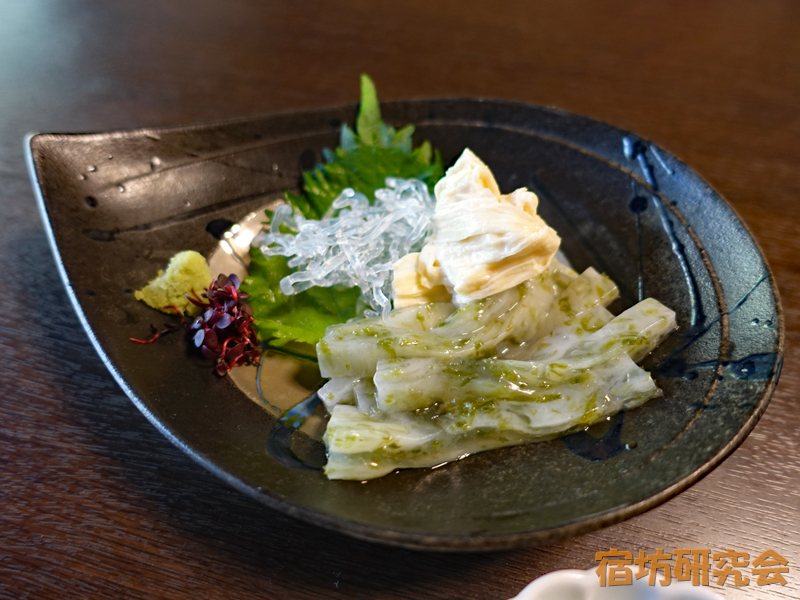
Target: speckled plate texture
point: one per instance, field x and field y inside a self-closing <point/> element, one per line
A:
<point x="117" y="205"/>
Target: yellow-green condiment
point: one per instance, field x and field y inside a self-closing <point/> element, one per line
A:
<point x="186" y="271"/>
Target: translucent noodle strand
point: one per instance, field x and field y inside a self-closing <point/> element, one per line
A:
<point x="356" y="244"/>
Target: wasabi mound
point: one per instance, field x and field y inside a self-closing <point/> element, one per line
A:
<point x="185" y="272"/>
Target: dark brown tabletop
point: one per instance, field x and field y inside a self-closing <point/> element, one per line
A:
<point x="97" y="504"/>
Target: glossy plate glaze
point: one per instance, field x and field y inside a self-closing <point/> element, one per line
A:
<point x="118" y="205"/>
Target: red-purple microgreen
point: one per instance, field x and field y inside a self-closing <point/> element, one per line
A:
<point x="224" y="332"/>
<point x="168" y="328"/>
<point x="156" y="333"/>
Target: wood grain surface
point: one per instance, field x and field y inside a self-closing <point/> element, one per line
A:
<point x="97" y="504"/>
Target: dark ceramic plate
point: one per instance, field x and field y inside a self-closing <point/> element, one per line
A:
<point x="118" y="205"/>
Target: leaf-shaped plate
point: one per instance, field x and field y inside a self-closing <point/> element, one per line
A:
<point x="117" y="205"/>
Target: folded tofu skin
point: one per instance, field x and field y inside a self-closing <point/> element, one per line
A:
<point x="492" y="342"/>
<point x="485" y="241"/>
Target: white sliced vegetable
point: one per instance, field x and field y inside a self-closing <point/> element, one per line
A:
<point x="567" y="334"/>
<point x="411" y="384"/>
<point x="422" y="386"/>
<point x="636" y="332"/>
<point x="338" y="390"/>
<point x="422" y="317"/>
<point x="365" y="396"/>
<point x="353" y="349"/>
<point x="364" y="447"/>
<point x="587" y="291"/>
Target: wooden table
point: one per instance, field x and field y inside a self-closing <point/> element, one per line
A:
<point x="97" y="504"/>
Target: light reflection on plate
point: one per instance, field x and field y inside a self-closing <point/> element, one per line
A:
<point x="290" y="381"/>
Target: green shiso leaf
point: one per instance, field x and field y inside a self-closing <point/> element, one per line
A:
<point x="302" y="317"/>
<point x="363" y="161"/>
<point x="369" y="120"/>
